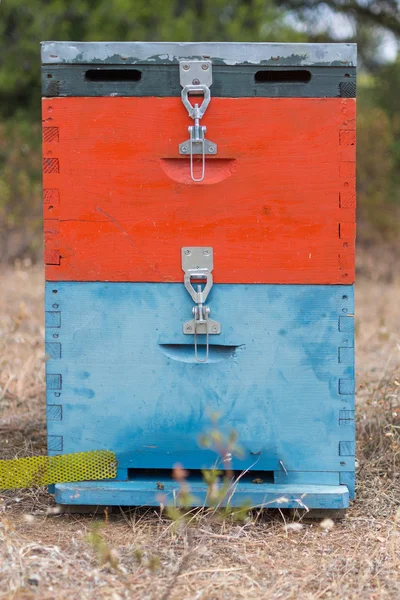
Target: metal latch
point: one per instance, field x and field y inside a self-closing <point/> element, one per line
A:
<point x="196" y="79"/>
<point x="198" y="263"/>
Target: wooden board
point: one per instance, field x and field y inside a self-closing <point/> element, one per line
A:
<point x="163" y="80"/>
<point x="122" y="376"/>
<point x="277" y="204"/>
<point x="145" y="491"/>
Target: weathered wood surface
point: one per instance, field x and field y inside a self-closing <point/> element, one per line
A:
<point x="226" y="53"/>
<point x="163" y="80"/>
<point x="124" y="377"/>
<point x="277" y="203"/>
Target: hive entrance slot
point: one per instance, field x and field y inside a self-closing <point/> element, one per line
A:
<point x="196" y="475"/>
<point x="115" y="75"/>
<point x="282" y="76"/>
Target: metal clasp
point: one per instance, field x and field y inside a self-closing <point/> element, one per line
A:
<point x="198" y="263"/>
<point x="196" y="79"/>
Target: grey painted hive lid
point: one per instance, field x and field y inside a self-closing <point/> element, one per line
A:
<point x="224" y="53"/>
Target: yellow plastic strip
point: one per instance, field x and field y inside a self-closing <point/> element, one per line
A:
<point x="43" y="470"/>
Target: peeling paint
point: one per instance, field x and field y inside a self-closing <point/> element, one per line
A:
<point x="225" y="53"/>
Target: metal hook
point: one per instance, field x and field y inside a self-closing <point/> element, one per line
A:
<point x="203" y="158"/>
<point x="197" y="263"/>
<point x="195" y="79"/>
<point x="197" y="318"/>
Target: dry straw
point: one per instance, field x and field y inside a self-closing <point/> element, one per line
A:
<point x="142" y="553"/>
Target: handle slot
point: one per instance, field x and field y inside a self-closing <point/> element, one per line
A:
<point x="116" y="75"/>
<point x="283" y="76"/>
<point x="184" y="352"/>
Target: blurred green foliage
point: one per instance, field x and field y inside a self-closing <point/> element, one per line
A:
<point x="24" y="24"/>
<point x="20" y="189"/>
<point x="378" y="154"/>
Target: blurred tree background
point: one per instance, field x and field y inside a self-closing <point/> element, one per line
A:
<point x="373" y="24"/>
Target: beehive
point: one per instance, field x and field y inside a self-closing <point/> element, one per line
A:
<point x="250" y="223"/>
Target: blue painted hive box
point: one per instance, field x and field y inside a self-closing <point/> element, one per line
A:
<point x="199" y="208"/>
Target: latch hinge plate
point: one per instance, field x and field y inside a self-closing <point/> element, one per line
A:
<point x="195" y="77"/>
<point x="209" y="327"/>
<point x="195" y="72"/>
<point x="198" y="263"/>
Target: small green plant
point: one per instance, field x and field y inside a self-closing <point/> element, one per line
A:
<point x="224" y="444"/>
<point x="151" y="562"/>
<point x="220" y="480"/>
<point x="104" y="554"/>
<point x="184" y="500"/>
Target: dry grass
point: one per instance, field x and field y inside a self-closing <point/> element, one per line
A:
<point x="139" y="554"/>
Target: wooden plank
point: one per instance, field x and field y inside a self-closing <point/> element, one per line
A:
<point x="163" y="81"/>
<point x="348" y="479"/>
<point x="269" y="205"/>
<point x="225" y="53"/>
<point x="145" y="492"/>
<point x="128" y="381"/>
<point x="307" y="477"/>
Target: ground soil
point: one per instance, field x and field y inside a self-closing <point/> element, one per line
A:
<point x="142" y="553"/>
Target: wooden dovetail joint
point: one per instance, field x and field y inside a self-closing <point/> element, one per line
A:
<point x="347" y="448"/>
<point x="51" y="210"/>
<point x="347" y="199"/>
<point x="54" y="381"/>
<point x="50" y="135"/>
<point x="55" y="443"/>
<point x="347" y="137"/>
<point x="54" y="412"/>
<point x="346" y="418"/>
<point x="51" y="165"/>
